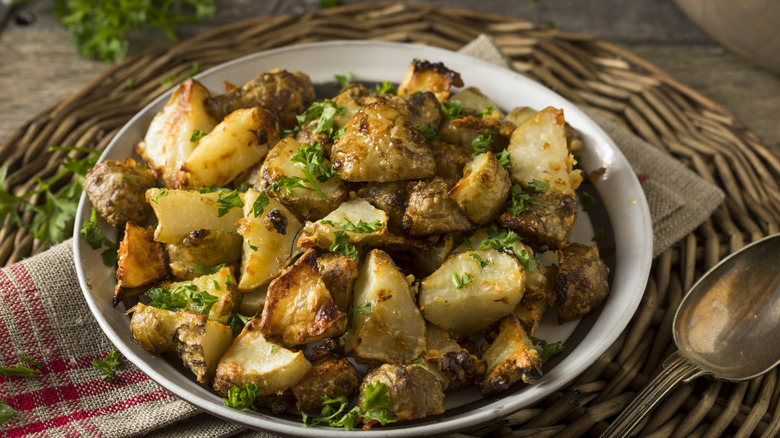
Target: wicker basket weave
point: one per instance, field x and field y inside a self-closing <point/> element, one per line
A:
<point x="589" y="72"/>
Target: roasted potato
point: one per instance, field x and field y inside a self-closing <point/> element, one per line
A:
<point x="269" y="240"/>
<point x="380" y="144"/>
<point x="432" y="211"/>
<point x="221" y="284"/>
<point x="168" y="141"/>
<point x="252" y="302"/>
<point x="582" y="281"/>
<point x="141" y="262"/>
<point x="483" y="190"/>
<point x="428" y="76"/>
<point x="240" y="141"/>
<point x="117" y="191"/>
<point x="390" y="197"/>
<point x="511" y="357"/>
<point x="540" y="290"/>
<point x="454" y="366"/>
<point x="253" y="359"/>
<point x="202" y="249"/>
<point x="547" y="221"/>
<point x="283" y="93"/>
<point x="414" y="392"/>
<point x="298" y="307"/>
<point x="389" y="328"/>
<point x="472" y="100"/>
<point x="308" y="203"/>
<point x="180" y="212"/>
<point x="198" y="342"/>
<point x="339" y="273"/>
<point x="538" y="151"/>
<point x="362" y="222"/>
<point x="331" y="375"/>
<point x="463" y="297"/>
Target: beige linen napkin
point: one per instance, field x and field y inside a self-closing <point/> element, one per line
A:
<point x="44" y="316"/>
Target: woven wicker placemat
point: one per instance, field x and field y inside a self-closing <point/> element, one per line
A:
<point x="592" y="73"/>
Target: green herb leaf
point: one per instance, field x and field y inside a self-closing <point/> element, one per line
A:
<point x="197" y="135"/>
<point x="228" y="202"/>
<point x="485" y="112"/>
<point x="30" y="361"/>
<point x="482" y="263"/>
<point x="324" y="112"/>
<point x="430" y="132"/>
<point x="502" y="240"/>
<point x="236" y="322"/>
<point x="92" y="232"/>
<point x="377" y="405"/>
<point x="99" y="29"/>
<point x="520" y="199"/>
<point x="160" y="194"/>
<point x="182" y="297"/>
<point x="204" y="270"/>
<point x="548" y="350"/>
<point x="459" y="281"/>
<point x="109" y="365"/>
<point x="341" y="245"/>
<point x="503" y="158"/>
<point x="598" y="236"/>
<point x="6" y="412"/>
<point x="242" y="399"/>
<point x="453" y="109"/>
<point x="312" y="156"/>
<point x="261" y="202"/>
<point x="19" y="371"/>
<point x="364" y="308"/>
<point x="361" y="227"/>
<point x="480" y="144"/>
<point x="386" y="87"/>
<point x="538" y="186"/>
<point x="588" y="201"/>
<point x="343" y="80"/>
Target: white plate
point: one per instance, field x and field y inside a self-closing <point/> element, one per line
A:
<point x="625" y="219"/>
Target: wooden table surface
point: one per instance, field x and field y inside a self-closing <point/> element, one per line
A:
<point x="39" y="65"/>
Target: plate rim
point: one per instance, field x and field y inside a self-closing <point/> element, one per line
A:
<point x="640" y="258"/>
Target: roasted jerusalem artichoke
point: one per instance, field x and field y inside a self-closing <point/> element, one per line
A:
<point x="375" y="246"/>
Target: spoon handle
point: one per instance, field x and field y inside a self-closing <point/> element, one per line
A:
<point x="677" y="369"/>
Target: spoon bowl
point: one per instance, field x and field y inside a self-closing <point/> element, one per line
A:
<point x="725" y="327"/>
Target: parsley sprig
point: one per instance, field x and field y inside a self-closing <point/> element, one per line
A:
<point x="22" y="371"/>
<point x="312" y="156"/>
<point x="520" y="199"/>
<point x="460" y="281"/>
<point x="324" y="112"/>
<point x="99" y="28"/>
<point x="376" y="407"/>
<point x="430" y="131"/>
<point x="108" y="365"/>
<point x="453" y="109"/>
<point x="51" y="221"/>
<point x="226" y="202"/>
<point x="481" y="142"/>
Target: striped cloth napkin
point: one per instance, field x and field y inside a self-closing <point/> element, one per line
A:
<point x="44" y="316"/>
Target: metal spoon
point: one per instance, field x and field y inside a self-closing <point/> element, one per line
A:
<point x="726" y="327"/>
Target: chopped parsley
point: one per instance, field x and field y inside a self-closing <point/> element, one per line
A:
<point x="386" y="87"/>
<point x="343" y="80"/>
<point x="197" y="135"/>
<point x="538" y="186"/>
<point x="364" y="308"/>
<point x="453" y="109"/>
<point x="459" y="281"/>
<point x="588" y="201"/>
<point x="323" y="112"/>
<point x="481" y="142"/>
<point x="259" y="205"/>
<point x="160" y="194"/>
<point x="376" y="407"/>
<point x="598" y="236"/>
<point x="92" y="233"/>
<point x="182" y="297"/>
<point x="236" y="323"/>
<point x="109" y="365"/>
<point x="548" y="350"/>
<point x="485" y="112"/>
<point x="503" y="158"/>
<point x="430" y="132"/>
<point x="520" y="199"/>
<point x="242" y="399"/>
<point x="341" y="245"/>
<point x="502" y="240"/>
<point x="361" y="227"/>
<point x="204" y="270"/>
<point x="312" y="156"/>
<point x="482" y="263"/>
<point x="228" y="202"/>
